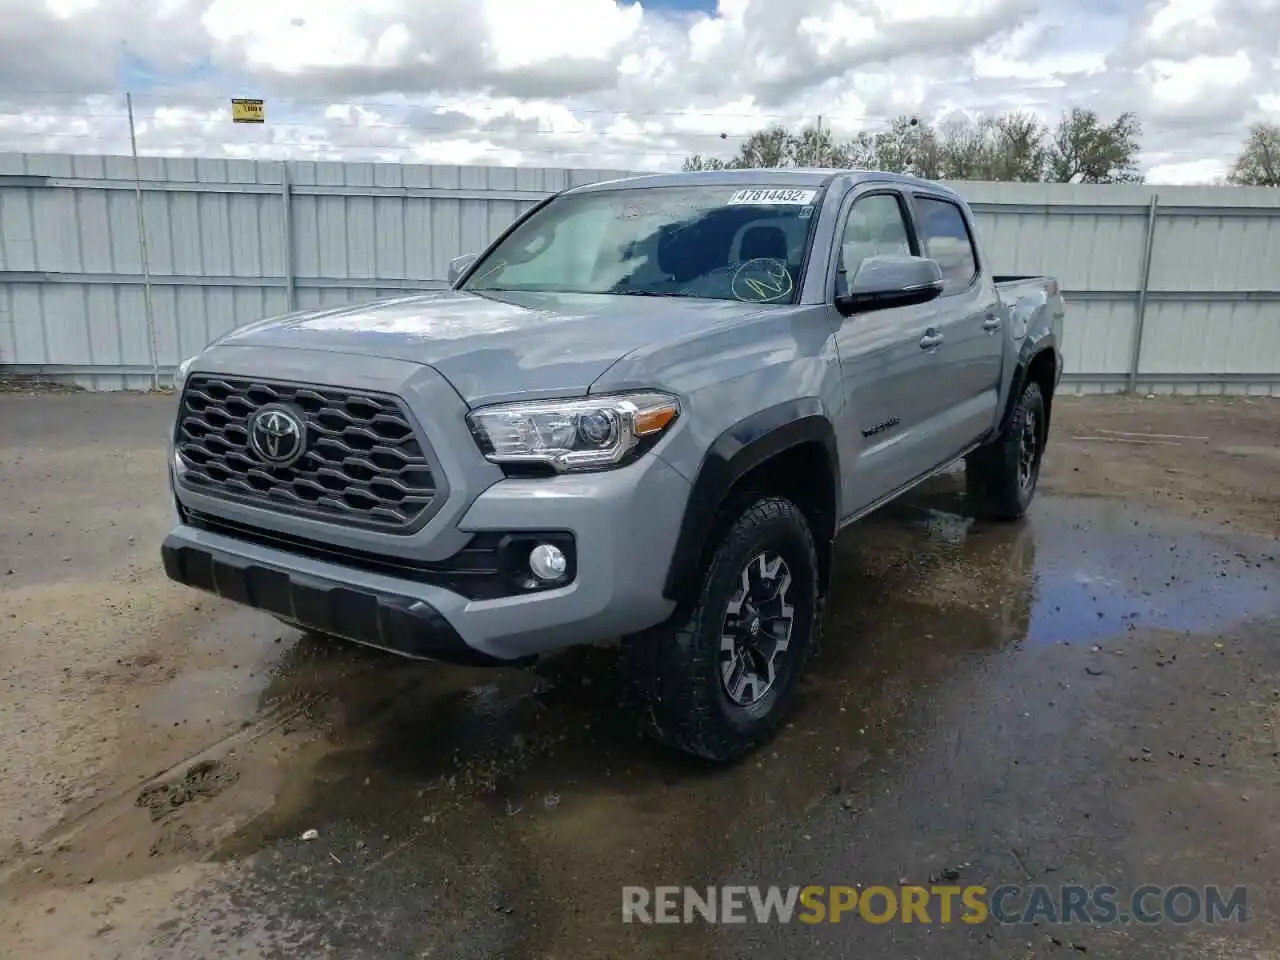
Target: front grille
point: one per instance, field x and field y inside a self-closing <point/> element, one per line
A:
<point x="363" y="465"/>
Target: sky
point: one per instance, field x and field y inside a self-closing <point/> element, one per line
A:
<point x="594" y="83"/>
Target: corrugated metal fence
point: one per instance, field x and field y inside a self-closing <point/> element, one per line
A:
<point x="1169" y="288"/>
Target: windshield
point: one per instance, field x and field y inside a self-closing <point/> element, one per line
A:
<point x="719" y="242"/>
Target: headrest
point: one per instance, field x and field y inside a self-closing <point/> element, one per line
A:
<point x="762" y="241"/>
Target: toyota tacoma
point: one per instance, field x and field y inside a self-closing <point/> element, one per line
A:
<point x="644" y="412"/>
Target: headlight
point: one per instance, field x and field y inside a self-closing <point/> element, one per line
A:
<point x="568" y="435"/>
<point x="180" y="377"/>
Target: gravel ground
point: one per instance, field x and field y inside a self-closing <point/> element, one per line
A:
<point x="1088" y="697"/>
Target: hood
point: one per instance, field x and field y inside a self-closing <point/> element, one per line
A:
<point x="491" y="349"/>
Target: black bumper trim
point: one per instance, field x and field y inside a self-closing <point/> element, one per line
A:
<point x="399" y="624"/>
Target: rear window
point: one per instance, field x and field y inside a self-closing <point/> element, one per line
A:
<point x="947" y="239"/>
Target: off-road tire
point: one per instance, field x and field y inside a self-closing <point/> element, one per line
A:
<point x="995" y="481"/>
<point x="672" y="672"/>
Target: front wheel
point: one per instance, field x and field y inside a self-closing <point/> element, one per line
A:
<point x="717" y="679"/>
<point x="1000" y="479"/>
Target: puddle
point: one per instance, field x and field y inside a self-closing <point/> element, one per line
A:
<point x="1102" y="571"/>
<point x="1087" y="569"/>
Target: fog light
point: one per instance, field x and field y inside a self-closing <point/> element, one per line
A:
<point x="547" y="562"/>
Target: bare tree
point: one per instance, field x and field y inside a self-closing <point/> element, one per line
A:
<point x="699" y="162"/>
<point x="909" y="146"/>
<point x="815" y="147"/>
<point x="1258" y="164"/>
<point x="1008" y="147"/>
<point x="1021" y="153"/>
<point x="967" y="148"/>
<point x="862" y="152"/>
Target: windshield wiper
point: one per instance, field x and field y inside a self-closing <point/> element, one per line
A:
<point x="649" y="293"/>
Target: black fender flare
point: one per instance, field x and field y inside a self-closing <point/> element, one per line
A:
<point x="734" y="453"/>
<point x="1021" y="371"/>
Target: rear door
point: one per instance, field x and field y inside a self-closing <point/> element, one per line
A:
<point x="886" y="374"/>
<point x="968" y="317"/>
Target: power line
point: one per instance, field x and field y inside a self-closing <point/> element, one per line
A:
<point x="590" y="140"/>
<point x="339" y="137"/>
<point x="835" y="125"/>
<point x="347" y="149"/>
<point x="185" y="98"/>
<point x="433" y="102"/>
<point x="480" y="128"/>
<point x="329" y="123"/>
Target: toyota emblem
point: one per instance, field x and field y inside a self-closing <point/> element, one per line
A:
<point x="277" y="435"/>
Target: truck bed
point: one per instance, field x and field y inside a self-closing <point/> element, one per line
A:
<point x="1028" y="294"/>
<point x="1017" y="279"/>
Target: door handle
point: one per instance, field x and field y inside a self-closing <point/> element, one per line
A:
<point x="992" y="323"/>
<point x="931" y="340"/>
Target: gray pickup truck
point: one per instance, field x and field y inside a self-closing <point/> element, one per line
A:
<point x="644" y="412"/>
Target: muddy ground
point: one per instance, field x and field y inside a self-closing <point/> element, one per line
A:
<point x="1089" y="697"/>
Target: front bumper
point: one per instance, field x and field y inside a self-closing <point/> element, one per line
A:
<point x="624" y="522"/>
<point x="395" y="622"/>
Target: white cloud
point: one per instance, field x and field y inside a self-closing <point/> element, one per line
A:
<point x="523" y="34"/>
<point x="1174" y="16"/>
<point x="1191" y="171"/>
<point x="1024" y="55"/>
<point x="632" y="85"/>
<point x="294" y="36"/>
<point x="1199" y="85"/>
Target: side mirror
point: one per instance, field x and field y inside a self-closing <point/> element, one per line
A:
<point x="891" y="281"/>
<point x="458" y="266"/>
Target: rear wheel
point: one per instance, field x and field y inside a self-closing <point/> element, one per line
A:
<point x="1001" y="478"/>
<point x="718" y="677"/>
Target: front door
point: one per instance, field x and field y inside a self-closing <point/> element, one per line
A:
<point x="885" y="371"/>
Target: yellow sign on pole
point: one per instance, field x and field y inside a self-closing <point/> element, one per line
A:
<point x="247" y="111"/>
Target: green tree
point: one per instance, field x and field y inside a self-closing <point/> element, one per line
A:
<point x="908" y="146"/>
<point x="1258" y="164"/>
<point x="1010" y="147"/>
<point x="771" y="147"/>
<point x="778" y="146"/>
<point x="1083" y="149"/>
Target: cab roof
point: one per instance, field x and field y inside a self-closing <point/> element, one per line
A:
<point x="761" y="177"/>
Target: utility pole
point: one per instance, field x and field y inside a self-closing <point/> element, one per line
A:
<point x="142" y="245"/>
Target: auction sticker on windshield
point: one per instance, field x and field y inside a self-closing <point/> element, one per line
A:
<point x="797" y="198"/>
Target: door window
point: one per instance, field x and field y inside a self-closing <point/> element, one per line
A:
<point x="947" y="239"/>
<point x="876" y="226"/>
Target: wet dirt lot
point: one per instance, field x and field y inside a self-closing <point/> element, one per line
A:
<point x="1088" y="697"/>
